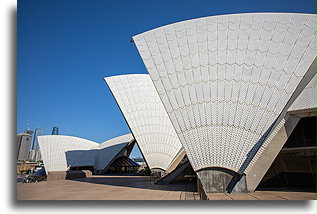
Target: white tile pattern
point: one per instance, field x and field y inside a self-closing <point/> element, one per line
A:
<point x="307" y="99"/>
<point x="54" y="148"/>
<point x="224" y="80"/>
<point x="59" y="151"/>
<point x="146" y="117"/>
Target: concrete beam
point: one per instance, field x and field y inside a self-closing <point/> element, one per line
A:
<point x="311" y="112"/>
<point x="181" y="154"/>
<point x="265" y="160"/>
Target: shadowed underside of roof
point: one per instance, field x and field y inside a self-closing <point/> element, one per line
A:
<point x="124" y="162"/>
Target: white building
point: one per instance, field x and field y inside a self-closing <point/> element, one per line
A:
<point x="60" y="153"/>
<point x="227" y="82"/>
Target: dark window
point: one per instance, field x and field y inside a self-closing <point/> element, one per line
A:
<point x="296" y="167"/>
<point x="304" y="133"/>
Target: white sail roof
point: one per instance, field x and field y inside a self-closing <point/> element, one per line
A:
<point x="146" y="117"/>
<point x="60" y="152"/>
<point x="224" y="80"/>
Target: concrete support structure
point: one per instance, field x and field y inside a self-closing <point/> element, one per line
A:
<point x="218" y="180"/>
<point x="56" y="175"/>
<point x="174" y="175"/>
<point x="176" y="161"/>
<point x="265" y="160"/>
<point x="62" y="175"/>
<point x="303" y="106"/>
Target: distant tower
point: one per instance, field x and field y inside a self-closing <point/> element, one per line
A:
<point x="35" y="145"/>
<point x="55" y="130"/>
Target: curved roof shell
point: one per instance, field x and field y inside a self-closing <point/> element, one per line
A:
<point x="109" y="149"/>
<point x="147" y="118"/>
<point x="224" y="80"/>
<point x="60" y="152"/>
<point x="54" y="147"/>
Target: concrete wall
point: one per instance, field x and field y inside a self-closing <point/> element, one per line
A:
<point x="57" y="175"/>
<point x="62" y="175"/>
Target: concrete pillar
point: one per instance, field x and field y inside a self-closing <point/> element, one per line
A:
<point x="217" y="180"/>
<point x="201" y="191"/>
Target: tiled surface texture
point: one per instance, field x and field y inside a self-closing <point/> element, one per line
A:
<point x="225" y="79"/>
<point x="146" y="117"/>
<point x="59" y="151"/>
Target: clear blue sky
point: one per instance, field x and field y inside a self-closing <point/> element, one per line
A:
<point x="66" y="47"/>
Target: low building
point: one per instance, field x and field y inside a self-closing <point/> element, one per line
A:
<point x="66" y="153"/>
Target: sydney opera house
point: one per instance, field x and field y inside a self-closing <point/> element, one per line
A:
<point x="234" y="95"/>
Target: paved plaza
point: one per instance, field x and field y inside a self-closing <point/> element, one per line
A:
<point x="135" y="188"/>
<point x="264" y="195"/>
<point x="106" y="188"/>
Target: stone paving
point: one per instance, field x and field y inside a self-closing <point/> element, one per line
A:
<point x="264" y="195"/>
<point x="106" y="188"/>
<point x="135" y="188"/>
